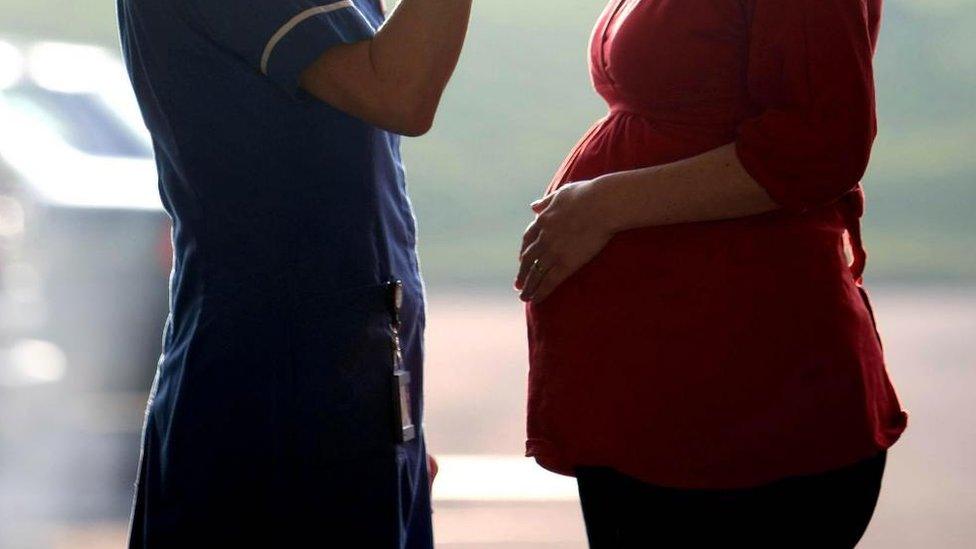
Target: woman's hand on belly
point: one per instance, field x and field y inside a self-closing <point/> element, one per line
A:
<point x="567" y="233"/>
<point x="574" y="223"/>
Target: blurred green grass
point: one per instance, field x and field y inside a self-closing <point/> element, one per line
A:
<point x="522" y="97"/>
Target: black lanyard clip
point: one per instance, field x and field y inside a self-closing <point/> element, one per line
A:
<point x="394" y="301"/>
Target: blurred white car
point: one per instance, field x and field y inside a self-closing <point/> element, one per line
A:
<point x="84" y="241"/>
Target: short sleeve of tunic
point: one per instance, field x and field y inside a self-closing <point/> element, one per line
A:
<point x="810" y="76"/>
<point x="279" y="38"/>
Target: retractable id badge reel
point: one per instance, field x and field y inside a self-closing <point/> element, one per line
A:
<point x="403" y="422"/>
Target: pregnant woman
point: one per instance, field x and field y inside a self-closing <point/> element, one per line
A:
<point x="703" y="355"/>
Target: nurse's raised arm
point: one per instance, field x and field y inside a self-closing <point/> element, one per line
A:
<point x="391" y="77"/>
<point x="395" y="79"/>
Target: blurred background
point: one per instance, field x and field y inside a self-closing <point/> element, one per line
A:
<point x="84" y="260"/>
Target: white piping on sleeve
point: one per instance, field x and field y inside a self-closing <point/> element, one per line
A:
<point x="294" y="22"/>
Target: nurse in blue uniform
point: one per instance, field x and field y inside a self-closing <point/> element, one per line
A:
<point x="275" y="417"/>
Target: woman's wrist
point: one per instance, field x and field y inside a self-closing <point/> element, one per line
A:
<point x="610" y="202"/>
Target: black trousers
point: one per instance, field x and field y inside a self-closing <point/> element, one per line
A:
<point x="824" y="511"/>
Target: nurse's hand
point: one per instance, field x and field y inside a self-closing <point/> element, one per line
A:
<point x="570" y="228"/>
<point x="431" y="470"/>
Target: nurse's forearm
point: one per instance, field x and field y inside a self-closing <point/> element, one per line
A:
<point x="395" y="80"/>
<point x="417" y="50"/>
<point x="708" y="187"/>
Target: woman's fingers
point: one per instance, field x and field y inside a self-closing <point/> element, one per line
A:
<point x="542" y="203"/>
<point x="550" y="282"/>
<point x="529" y="236"/>
<point x="529" y="255"/>
<point x="538" y="287"/>
<point x="537" y="273"/>
<point x="572" y="233"/>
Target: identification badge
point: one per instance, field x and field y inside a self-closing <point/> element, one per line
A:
<point x="403" y="424"/>
<point x="401" y="404"/>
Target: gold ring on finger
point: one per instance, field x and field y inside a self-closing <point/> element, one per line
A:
<point x="538" y="267"/>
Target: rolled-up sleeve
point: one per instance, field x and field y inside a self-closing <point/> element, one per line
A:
<point x="278" y="38"/>
<point x="810" y="78"/>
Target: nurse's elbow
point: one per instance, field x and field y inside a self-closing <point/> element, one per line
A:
<point x="414" y="117"/>
<point x="415" y="125"/>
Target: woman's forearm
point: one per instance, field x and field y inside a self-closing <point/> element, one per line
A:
<point x="707" y="187"/>
<point x="574" y="223"/>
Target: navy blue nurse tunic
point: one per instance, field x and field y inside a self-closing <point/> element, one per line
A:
<point x="270" y="422"/>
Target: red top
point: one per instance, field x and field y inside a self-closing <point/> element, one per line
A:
<point x="722" y="354"/>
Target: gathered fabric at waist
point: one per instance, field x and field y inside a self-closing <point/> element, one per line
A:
<point x="626" y="139"/>
<point x="699" y="116"/>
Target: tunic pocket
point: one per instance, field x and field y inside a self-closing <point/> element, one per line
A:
<point x="342" y="376"/>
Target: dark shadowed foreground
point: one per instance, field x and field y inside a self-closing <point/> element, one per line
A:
<point x="67" y="461"/>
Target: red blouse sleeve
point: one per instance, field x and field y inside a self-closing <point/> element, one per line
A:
<point x="810" y="77"/>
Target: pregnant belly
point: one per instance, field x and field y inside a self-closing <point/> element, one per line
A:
<point x="698" y="322"/>
<point x="688" y="333"/>
<point x="656" y="286"/>
<point x="662" y="261"/>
